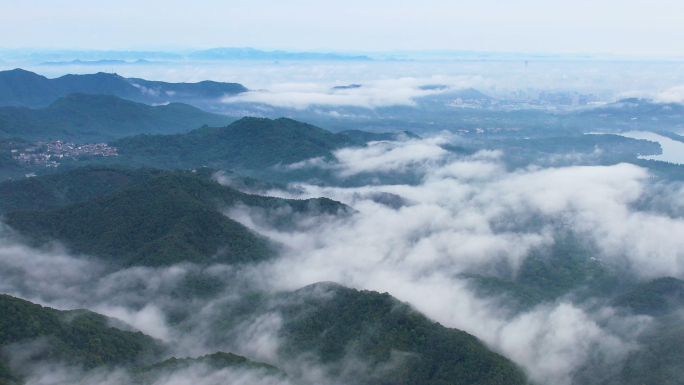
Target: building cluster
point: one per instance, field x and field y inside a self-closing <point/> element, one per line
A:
<point x="48" y="153"/>
<point x="558" y="98"/>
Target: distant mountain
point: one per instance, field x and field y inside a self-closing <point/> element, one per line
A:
<point x="216" y="361"/>
<point x="165" y="220"/>
<point x="349" y="87"/>
<point x="634" y="107"/>
<point x="247" y="144"/>
<point x="90" y="118"/>
<point x="100" y="62"/>
<point x="255" y="54"/>
<point x="23" y="88"/>
<point x="463" y="94"/>
<point x="365" y="137"/>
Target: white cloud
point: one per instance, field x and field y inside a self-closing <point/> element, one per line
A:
<point x="374" y="93"/>
<point x="671" y="95"/>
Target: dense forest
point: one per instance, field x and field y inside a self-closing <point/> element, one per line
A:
<point x="77" y="337"/>
<point x="164" y="220"/>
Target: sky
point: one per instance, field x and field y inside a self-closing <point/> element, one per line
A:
<point x="600" y="26"/>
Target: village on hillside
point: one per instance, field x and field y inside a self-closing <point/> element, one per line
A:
<point x="48" y="153"/>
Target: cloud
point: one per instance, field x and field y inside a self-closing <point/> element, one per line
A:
<point x="671" y="95"/>
<point x="197" y="374"/>
<point x="468" y="214"/>
<point x="376" y="93"/>
<point x="381" y="157"/>
<point x="465" y="214"/>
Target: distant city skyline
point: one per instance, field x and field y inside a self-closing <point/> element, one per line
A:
<point x="605" y="26"/>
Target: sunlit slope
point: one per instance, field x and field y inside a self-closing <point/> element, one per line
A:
<point x="165" y="220"/>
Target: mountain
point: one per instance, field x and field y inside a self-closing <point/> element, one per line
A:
<point x="32" y="335"/>
<point x="634" y="107"/>
<point x="255" y="54"/>
<point x="103" y="62"/>
<point x="165" y="220"/>
<point x="23" y="88"/>
<point x="51" y="191"/>
<point x="657" y="297"/>
<point x="56" y="190"/>
<point x="77" y="337"/>
<point x="216" y="361"/>
<point x="377" y="328"/>
<point x="365" y="337"/>
<point x="365" y="136"/>
<point x="247" y="144"/>
<point x="96" y="118"/>
<point x="464" y="94"/>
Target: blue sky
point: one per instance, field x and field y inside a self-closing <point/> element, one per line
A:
<point x="623" y="27"/>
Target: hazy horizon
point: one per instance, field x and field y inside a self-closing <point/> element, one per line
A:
<point x="607" y="26"/>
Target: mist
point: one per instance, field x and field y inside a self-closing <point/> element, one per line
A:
<point x="300" y="85"/>
<point x="471" y="215"/>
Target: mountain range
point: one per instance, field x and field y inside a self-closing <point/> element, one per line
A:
<point x="165" y="219"/>
<point x="23" y="88"/>
<point x="88" y="118"/>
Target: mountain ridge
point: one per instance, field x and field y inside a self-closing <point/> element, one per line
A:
<point x="23" y="88"/>
<point x="98" y="118"/>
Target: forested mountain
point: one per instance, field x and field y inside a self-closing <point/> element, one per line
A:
<point x="378" y="329"/>
<point x="249" y="143"/>
<point x="79" y="337"/>
<point x="364" y="337"/>
<point x="165" y="220"/>
<point x="87" y="118"/>
<point x="397" y="344"/>
<point x="60" y="189"/>
<point x="80" y="184"/>
<point x="32" y="335"/>
<point x="24" y="88"/>
<point x="216" y="361"/>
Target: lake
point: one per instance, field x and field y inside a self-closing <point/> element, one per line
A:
<point x="673" y="151"/>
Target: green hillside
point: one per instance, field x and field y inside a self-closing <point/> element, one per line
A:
<point x="378" y="329"/>
<point x="96" y="118"/>
<point x="77" y="337"/>
<point x="249" y="143"/>
<point x="166" y="220"/>
<point x="364" y="337"/>
<point x="84" y="339"/>
<point x="56" y="190"/>
<point x="657" y="297"/>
